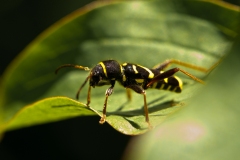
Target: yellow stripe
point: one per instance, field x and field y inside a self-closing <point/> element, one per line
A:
<point x="104" y="68"/>
<point x="151" y="75"/>
<point x="175" y="88"/>
<point x="121" y="69"/>
<point x="123" y="75"/>
<point x="168" y="88"/>
<point x="135" y="69"/>
<point x="124" y="64"/>
<point x="179" y="81"/>
<point x="124" y="78"/>
<point x="162" y="86"/>
<point x="165" y="80"/>
<point x="139" y="80"/>
<point x="154" y="85"/>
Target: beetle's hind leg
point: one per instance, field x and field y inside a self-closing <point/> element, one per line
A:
<point x="169" y="73"/>
<point x="167" y="63"/>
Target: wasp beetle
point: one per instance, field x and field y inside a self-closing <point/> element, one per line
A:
<point x="135" y="77"/>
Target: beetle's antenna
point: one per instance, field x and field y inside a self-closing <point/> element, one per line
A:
<point x="73" y="66"/>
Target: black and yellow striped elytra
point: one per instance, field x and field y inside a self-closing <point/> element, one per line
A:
<point x="135" y="77"/>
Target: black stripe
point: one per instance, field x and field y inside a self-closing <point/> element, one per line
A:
<point x="172" y="88"/>
<point x="178" y="90"/>
<point x="166" y="86"/>
<point x="158" y="86"/>
<point x="173" y="81"/>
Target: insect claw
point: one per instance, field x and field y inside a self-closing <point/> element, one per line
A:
<point x="103" y="119"/>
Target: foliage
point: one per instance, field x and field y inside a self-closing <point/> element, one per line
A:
<point x="209" y="129"/>
<point x="143" y="32"/>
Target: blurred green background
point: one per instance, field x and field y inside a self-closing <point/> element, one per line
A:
<point x="23" y="20"/>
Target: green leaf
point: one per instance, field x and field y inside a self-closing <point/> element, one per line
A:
<point x="48" y="110"/>
<point x="207" y="129"/>
<point x="142" y="32"/>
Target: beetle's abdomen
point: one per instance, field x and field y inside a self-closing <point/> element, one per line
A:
<point x="172" y="83"/>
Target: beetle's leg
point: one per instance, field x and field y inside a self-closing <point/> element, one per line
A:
<point x="169" y="73"/>
<point x="140" y="90"/>
<point x="79" y="90"/>
<point x="109" y="91"/>
<point x="89" y="96"/>
<point x="129" y="95"/>
<point x="166" y="63"/>
<point x="163" y="65"/>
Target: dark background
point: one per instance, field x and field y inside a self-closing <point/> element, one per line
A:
<point x="78" y="138"/>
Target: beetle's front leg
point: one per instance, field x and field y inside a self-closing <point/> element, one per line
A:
<point x="109" y="91"/>
<point x="89" y="96"/>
